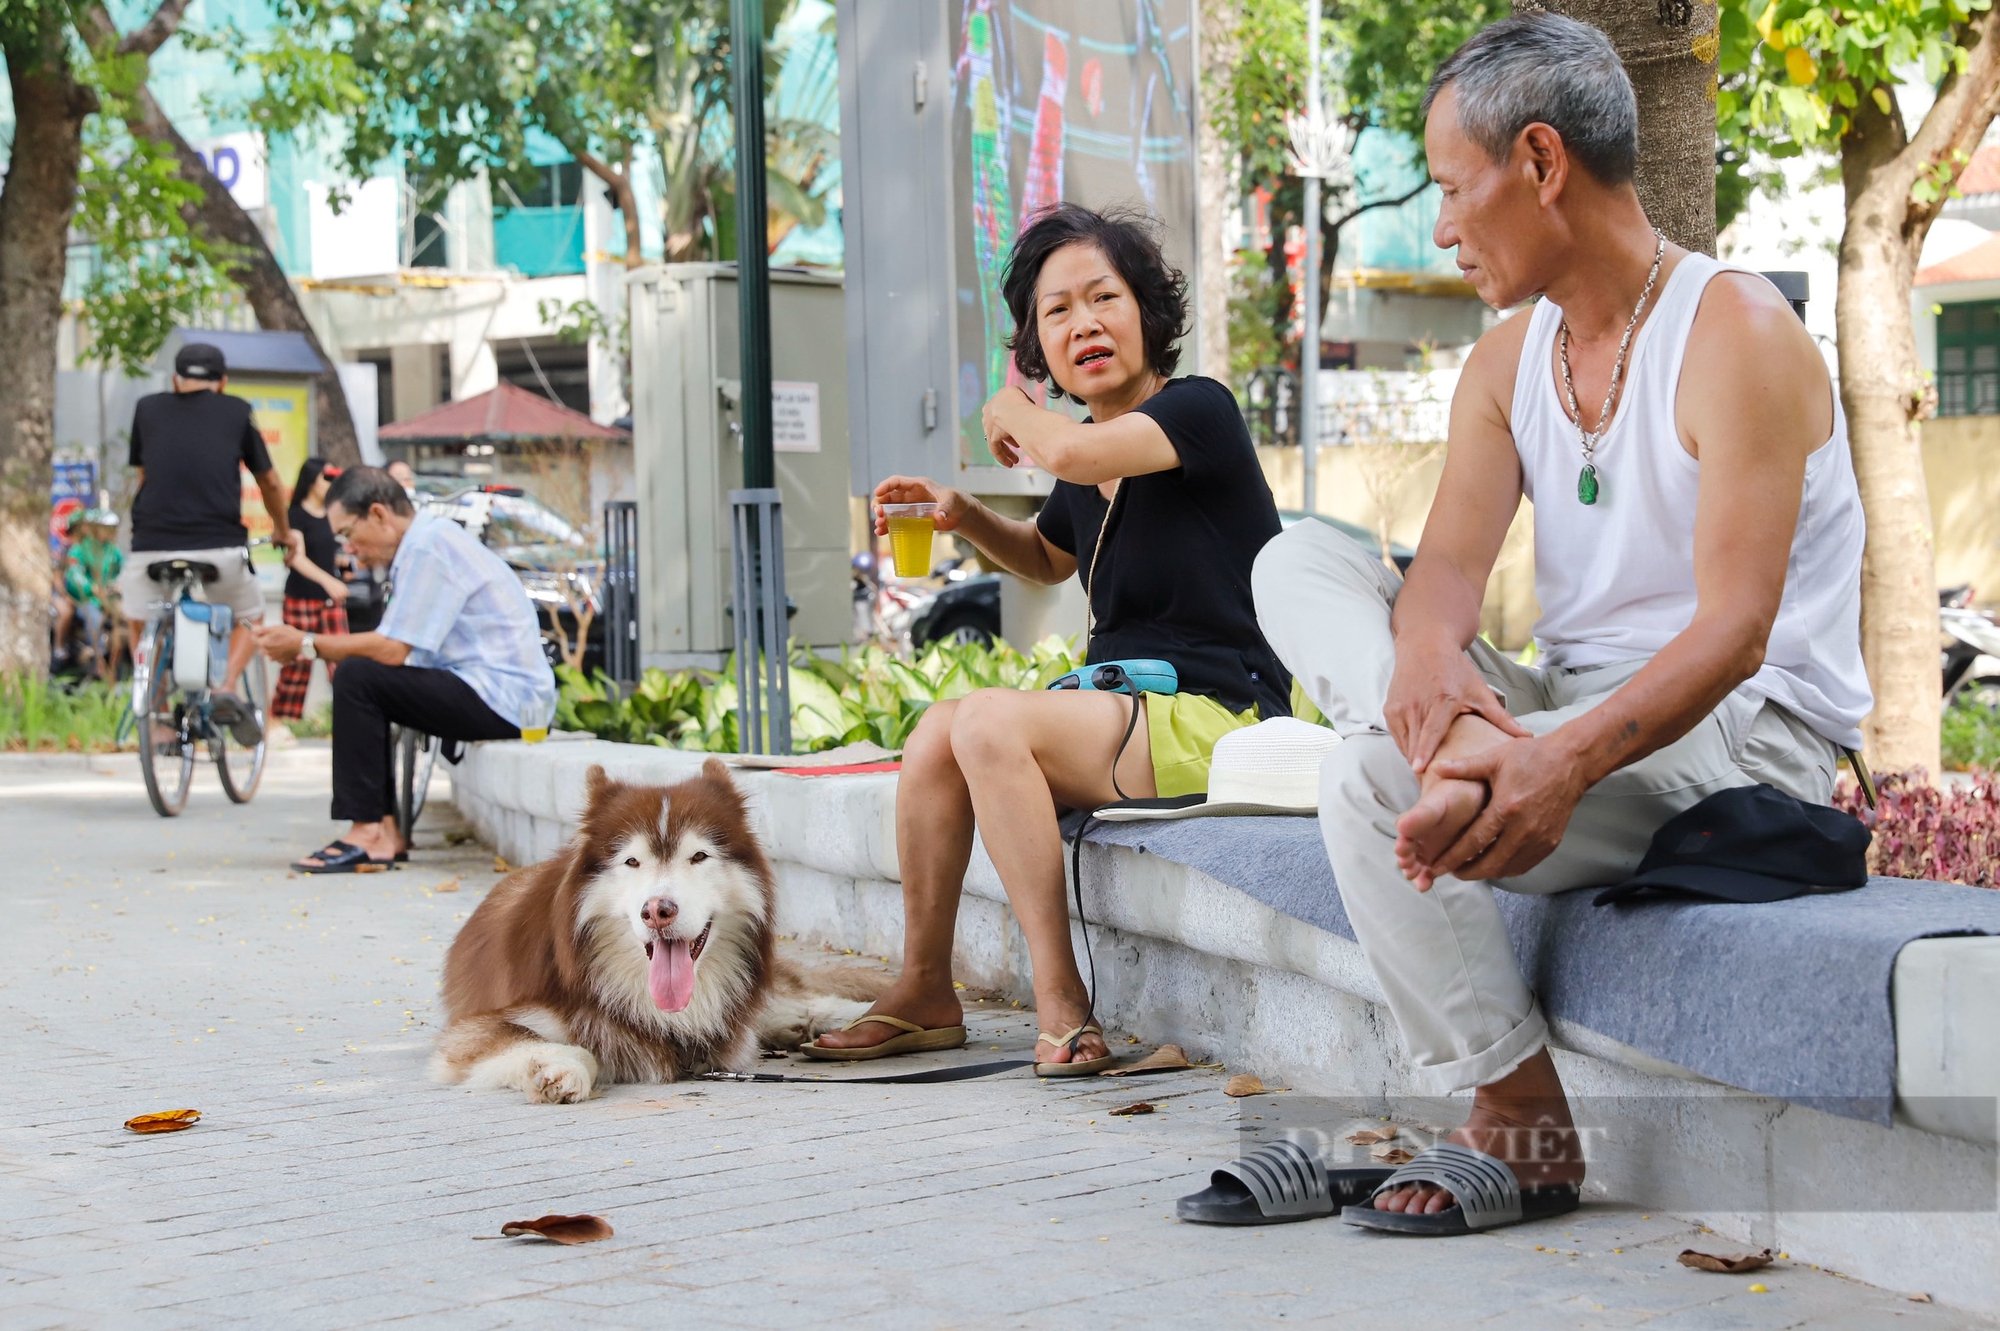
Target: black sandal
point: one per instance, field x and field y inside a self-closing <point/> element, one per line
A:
<point x="1486" y="1195"/>
<point x="340" y="857"/>
<point x="1276" y="1184"/>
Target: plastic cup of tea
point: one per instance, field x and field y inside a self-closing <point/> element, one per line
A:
<point x="911" y="527"/>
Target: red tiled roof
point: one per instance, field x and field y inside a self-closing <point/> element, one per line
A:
<point x="506" y="412"/>
<point x="1982" y="173"/>
<point x="1978" y="264"/>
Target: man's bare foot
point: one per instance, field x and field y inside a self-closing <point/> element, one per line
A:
<point x="381" y="842"/>
<point x="1427" y="830"/>
<point x="929" y="1004"/>
<point x="1523" y="1119"/>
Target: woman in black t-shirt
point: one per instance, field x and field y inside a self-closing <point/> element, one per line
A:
<point x="1159" y="508"/>
<point x="315" y="597"/>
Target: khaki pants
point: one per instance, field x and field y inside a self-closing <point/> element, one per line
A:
<point x="1442" y="957"/>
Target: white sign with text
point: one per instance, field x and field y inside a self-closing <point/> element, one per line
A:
<point x="794" y="416"/>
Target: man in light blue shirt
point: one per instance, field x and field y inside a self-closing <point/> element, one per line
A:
<point x="458" y="654"/>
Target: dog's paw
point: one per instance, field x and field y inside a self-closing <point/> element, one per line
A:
<point x="560" y="1076"/>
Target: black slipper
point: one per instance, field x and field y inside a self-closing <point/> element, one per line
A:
<point x="340" y="857"/>
<point x="1278" y="1183"/>
<point x="1488" y="1195"/>
<point x="238" y="718"/>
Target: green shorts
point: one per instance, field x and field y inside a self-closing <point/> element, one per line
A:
<point x="1184" y="728"/>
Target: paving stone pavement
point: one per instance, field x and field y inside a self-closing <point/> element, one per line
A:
<point x="157" y="964"/>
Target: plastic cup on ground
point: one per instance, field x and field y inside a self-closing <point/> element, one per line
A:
<point x="911" y="528"/>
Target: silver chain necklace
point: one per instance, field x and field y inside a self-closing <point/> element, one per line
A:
<point x="1588" y="487"/>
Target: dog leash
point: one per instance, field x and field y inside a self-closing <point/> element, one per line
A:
<point x="966" y="1073"/>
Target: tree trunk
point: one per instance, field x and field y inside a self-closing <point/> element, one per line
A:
<point x="39" y="196"/>
<point x="1217" y="193"/>
<point x="255" y="269"/>
<point x="1669" y="49"/>
<point x="1886" y="393"/>
<point x="1883" y="389"/>
<point x="619" y="183"/>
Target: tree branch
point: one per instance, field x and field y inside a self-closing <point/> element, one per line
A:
<point x="1359" y="209"/>
<point x="95" y="22"/>
<point x="151" y="36"/>
<point x="1958" y="119"/>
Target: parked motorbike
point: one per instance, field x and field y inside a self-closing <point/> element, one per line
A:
<point x="1971" y="656"/>
<point x="956" y="604"/>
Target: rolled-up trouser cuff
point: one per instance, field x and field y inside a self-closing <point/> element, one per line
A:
<point x="1491" y="1063"/>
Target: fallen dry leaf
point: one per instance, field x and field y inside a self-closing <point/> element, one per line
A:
<point x="167" y="1120"/>
<point x="1370" y="1136"/>
<point x="500" y="865"/>
<point x="1392" y="1155"/>
<point x="560" y="1228"/>
<point x="448" y="885"/>
<point x="1142" y="1107"/>
<point x="1244" y="1083"/>
<point x="1166" y="1058"/>
<point x="1729" y="1263"/>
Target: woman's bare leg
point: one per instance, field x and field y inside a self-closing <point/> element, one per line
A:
<point x="933" y="846"/>
<point x="1021" y="755"/>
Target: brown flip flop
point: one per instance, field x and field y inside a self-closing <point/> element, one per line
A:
<point x="914" y="1040"/>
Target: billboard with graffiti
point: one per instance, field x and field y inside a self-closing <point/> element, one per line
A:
<point x="1053" y="100"/>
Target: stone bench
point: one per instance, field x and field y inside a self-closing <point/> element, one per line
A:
<point x="1184" y="957"/>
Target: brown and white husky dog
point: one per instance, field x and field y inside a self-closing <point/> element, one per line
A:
<point x="643" y="952"/>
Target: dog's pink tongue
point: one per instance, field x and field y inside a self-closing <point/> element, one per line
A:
<point x="671" y="975"/>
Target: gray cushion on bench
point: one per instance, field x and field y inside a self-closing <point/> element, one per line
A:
<point x="1789" y="999"/>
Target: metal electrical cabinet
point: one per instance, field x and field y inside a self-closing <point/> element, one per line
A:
<point x="688" y="454"/>
<point x="960" y="121"/>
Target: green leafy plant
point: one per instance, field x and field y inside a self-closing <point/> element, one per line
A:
<point x="38" y="716"/>
<point x="316" y="724"/>
<point x="867" y="694"/>
<point x="1971" y="736"/>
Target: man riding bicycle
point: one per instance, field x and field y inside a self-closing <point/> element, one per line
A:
<point x="186" y="448"/>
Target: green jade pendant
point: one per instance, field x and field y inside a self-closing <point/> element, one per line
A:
<point x="1586" y="484"/>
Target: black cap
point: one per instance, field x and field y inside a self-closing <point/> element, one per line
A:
<point x="200" y="360"/>
<point x="1750" y="843"/>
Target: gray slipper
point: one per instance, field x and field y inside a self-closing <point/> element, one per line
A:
<point x="1486" y="1195"/>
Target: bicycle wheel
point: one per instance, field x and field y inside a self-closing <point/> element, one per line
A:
<point x="416" y="755"/>
<point x="240" y="769"/>
<point x="168" y="766"/>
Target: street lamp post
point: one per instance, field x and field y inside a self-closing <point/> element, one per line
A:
<point x="757" y="602"/>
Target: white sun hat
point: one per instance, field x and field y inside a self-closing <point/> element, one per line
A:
<point x="1269" y="768"/>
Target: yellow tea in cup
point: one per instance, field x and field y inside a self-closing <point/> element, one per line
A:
<point x="911" y="527"/>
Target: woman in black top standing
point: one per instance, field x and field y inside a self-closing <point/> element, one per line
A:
<point x="315" y="597"/>
<point x="1159" y="509"/>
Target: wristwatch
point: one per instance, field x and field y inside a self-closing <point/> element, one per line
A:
<point x="308" y="652"/>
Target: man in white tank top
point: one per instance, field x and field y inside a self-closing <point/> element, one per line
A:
<point x="1698" y="542"/>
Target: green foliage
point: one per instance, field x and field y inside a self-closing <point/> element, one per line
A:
<point x="149" y="271"/>
<point x="1971" y="738"/>
<point x="1795" y="74"/>
<point x="38" y="716"/>
<point x="868" y="694"/>
<point x="452" y="88"/>
<point x="1379" y="56"/>
<point x="316" y="724"/>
